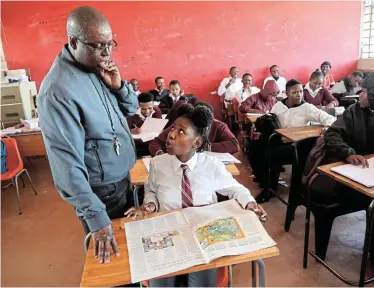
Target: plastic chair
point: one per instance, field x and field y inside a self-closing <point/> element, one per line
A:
<point x="15" y="167"/>
<point x="224" y="274"/>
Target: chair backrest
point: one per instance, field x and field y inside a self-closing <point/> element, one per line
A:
<point x="301" y="152"/>
<point x="13" y="159"/>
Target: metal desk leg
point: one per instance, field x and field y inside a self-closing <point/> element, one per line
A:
<point x="261" y="271"/>
<point x="135" y="195"/>
<point x="369" y="224"/>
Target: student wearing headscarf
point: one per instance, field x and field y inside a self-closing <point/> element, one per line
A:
<point x="328" y="80"/>
<point x="263" y="101"/>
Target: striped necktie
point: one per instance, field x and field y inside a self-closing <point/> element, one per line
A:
<point x="186" y="189"/>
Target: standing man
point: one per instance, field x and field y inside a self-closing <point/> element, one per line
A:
<point x="82" y="106"/>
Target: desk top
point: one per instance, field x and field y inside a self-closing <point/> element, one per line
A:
<point x="252" y="118"/>
<point x="118" y="271"/>
<point x="300" y="133"/>
<point x="139" y="173"/>
<point x="326" y="170"/>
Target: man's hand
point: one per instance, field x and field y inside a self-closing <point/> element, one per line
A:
<point x="141" y="211"/>
<point x="110" y="75"/>
<point x="260" y="212"/>
<point x="358" y="160"/>
<point x="136" y="131"/>
<point x="103" y="241"/>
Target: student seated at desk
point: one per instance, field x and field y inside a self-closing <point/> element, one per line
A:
<point x="295" y="112"/>
<point x="135" y="86"/>
<point x="230" y="85"/>
<point x="175" y="94"/>
<point x="220" y="138"/>
<point x="316" y="94"/>
<point x="263" y="101"/>
<point x="146" y="109"/>
<point x="347" y="87"/>
<point x="135" y="122"/>
<point x="159" y="92"/>
<point x="172" y="114"/>
<point x="275" y="75"/>
<point x="328" y="79"/>
<point x="186" y="178"/>
<point x="247" y="90"/>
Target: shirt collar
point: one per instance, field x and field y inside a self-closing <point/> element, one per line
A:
<point x="173" y="98"/>
<point x="190" y="163"/>
<point x="139" y="113"/>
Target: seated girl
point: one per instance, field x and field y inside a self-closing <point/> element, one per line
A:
<point x="184" y="177"/>
<point x="316" y="94"/>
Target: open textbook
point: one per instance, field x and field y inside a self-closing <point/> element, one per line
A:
<point x="361" y="175"/>
<point x="151" y="128"/>
<point x="192" y="236"/>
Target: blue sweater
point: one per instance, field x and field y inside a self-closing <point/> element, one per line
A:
<point x="78" y="135"/>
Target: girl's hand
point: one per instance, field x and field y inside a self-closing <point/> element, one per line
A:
<point x="260" y="212"/>
<point x="141" y="211"/>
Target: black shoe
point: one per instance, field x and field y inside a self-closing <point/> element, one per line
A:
<point x="264" y="196"/>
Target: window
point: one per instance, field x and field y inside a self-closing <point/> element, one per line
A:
<point x="367" y="28"/>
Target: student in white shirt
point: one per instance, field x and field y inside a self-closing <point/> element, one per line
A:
<point x="247" y="90"/>
<point x="294" y="112"/>
<point x="230" y="85"/>
<point x="275" y="75"/>
<point x="135" y="86"/>
<point x="184" y="177"/>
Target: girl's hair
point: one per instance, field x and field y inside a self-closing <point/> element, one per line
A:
<point x="201" y="117"/>
<point x="316" y="74"/>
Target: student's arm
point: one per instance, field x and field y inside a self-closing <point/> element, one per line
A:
<point x="158" y="113"/>
<point x="130" y="121"/>
<point x="64" y="138"/>
<point x="222" y="87"/>
<point x="127" y="99"/>
<point x="337" y="135"/>
<point x="150" y="188"/>
<point x="318" y="115"/>
<point x="328" y="100"/>
<point x="246" y="106"/>
<point x="332" y="81"/>
<point x="156" y="145"/>
<point x="225" y="141"/>
<point x="228" y="186"/>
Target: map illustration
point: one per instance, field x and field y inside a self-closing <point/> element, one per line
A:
<point x="221" y="230"/>
<point x="161" y="240"/>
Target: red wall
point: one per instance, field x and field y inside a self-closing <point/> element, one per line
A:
<point x="195" y="42"/>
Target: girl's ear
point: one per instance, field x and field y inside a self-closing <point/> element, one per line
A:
<point x="198" y="142"/>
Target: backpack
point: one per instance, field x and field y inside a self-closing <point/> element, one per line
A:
<point x="3" y="157"/>
<point x="317" y="154"/>
<point x="266" y="125"/>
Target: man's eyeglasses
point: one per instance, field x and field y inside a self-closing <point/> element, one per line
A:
<point x="99" y="47"/>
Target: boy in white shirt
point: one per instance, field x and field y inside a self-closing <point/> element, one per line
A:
<point x="230" y="85"/>
<point x="294" y="112"/>
<point x="135" y="86"/>
<point x="275" y="75"/>
<point x="247" y="89"/>
<point x="184" y="178"/>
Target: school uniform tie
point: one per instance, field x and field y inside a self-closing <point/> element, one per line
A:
<point x="186" y="188"/>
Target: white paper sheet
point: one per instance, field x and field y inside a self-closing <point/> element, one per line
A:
<point x="151" y="128"/>
<point x="254" y="114"/>
<point x="364" y="176"/>
<point x="225" y="158"/>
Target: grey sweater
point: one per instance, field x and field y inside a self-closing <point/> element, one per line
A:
<point x="78" y="135"/>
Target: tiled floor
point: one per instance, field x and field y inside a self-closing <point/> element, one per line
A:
<point x="43" y="246"/>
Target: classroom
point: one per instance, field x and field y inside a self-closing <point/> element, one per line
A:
<point x="187" y="143"/>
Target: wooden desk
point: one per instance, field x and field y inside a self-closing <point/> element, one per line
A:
<point x="118" y="271"/>
<point x="30" y="144"/>
<point x="326" y="170"/>
<point x="299" y="133"/>
<point x="253" y="118"/>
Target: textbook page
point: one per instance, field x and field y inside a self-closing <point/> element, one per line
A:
<point x="225" y="158"/>
<point x="161" y="245"/>
<point x="361" y="175"/>
<point x="225" y="229"/>
<point x="151" y="128"/>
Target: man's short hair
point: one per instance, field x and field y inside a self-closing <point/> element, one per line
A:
<point x="292" y="82"/>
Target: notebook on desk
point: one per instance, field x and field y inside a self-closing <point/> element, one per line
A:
<point x="358" y="174"/>
<point x="152" y="127"/>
